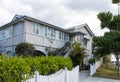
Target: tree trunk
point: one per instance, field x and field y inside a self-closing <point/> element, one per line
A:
<point x="117" y="63"/>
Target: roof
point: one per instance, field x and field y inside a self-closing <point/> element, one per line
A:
<point x="44" y="23"/>
<point x="76" y="32"/>
<point x="11" y="23"/>
<point x="18" y="18"/>
<point x="80" y="26"/>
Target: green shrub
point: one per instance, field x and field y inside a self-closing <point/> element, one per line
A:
<point x="13" y="69"/>
<point x="106" y="59"/>
<point x="77" y="54"/>
<point x="24" y="49"/>
<point x="93" y="60"/>
<point x="16" y="69"/>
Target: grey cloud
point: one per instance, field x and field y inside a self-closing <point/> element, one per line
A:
<point x="48" y="10"/>
<point x="57" y="12"/>
<point x="94" y="5"/>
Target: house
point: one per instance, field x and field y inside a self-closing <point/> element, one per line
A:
<point x="42" y="35"/>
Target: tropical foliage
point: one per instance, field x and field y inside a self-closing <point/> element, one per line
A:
<point x="24" y="49"/>
<point x="110" y="42"/>
<point x="77" y="54"/>
<point x="115" y="1"/>
<point x="16" y="69"/>
<point x="109" y="21"/>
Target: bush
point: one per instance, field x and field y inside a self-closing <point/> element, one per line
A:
<point x="77" y="54"/>
<point x="16" y="69"/>
<point x="25" y="49"/>
<point x="93" y="60"/>
<point x="13" y="69"/>
<point x="106" y="59"/>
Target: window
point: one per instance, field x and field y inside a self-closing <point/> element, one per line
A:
<point x="50" y="32"/>
<point x="3" y="34"/>
<point x="6" y="33"/>
<point x="67" y="37"/>
<point x="18" y="28"/>
<point x="85" y="42"/>
<point x="80" y="37"/>
<point x="0" y="34"/>
<point x="10" y="31"/>
<point x="46" y="31"/>
<point x="36" y="28"/>
<point x="60" y="35"/>
<point x="63" y="36"/>
<point x="53" y="32"/>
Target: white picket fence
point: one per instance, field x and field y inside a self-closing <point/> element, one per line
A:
<point x="95" y="66"/>
<point x="61" y="76"/>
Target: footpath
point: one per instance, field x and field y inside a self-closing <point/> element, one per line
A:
<point x="84" y="77"/>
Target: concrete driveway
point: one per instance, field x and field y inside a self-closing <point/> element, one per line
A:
<point x="84" y="77"/>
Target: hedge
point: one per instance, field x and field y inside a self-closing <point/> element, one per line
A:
<point x="16" y="69"/>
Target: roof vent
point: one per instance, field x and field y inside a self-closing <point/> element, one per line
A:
<point x="16" y="17"/>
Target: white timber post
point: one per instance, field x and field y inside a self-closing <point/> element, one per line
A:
<point x="65" y="74"/>
<point x="36" y="76"/>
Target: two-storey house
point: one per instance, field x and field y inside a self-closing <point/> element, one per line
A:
<point x="42" y="35"/>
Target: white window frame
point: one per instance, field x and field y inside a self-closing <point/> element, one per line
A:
<point x="50" y="32"/>
<point x="36" y="28"/>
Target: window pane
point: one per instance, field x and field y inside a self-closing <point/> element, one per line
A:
<point x="65" y="36"/>
<point x="10" y="31"/>
<point x="46" y="31"/>
<point x="59" y="35"/>
<point x="37" y="28"/>
<point x="62" y="36"/>
<point x="33" y="27"/>
<point x="54" y="33"/>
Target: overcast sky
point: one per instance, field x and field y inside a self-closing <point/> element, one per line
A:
<point x="62" y="13"/>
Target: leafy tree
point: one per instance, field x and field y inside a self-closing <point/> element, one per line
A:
<point x="110" y="42"/>
<point x="77" y="54"/>
<point x="115" y="1"/>
<point x="109" y="21"/>
<point x="105" y="18"/>
<point x="24" y="49"/>
<point x="107" y="44"/>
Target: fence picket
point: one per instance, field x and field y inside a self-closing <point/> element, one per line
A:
<point x="61" y="76"/>
<point x="95" y="66"/>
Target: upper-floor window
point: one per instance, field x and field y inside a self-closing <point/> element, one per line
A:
<point x="60" y="35"/>
<point x="5" y="33"/>
<point x="46" y="31"/>
<point x="80" y="37"/>
<point x="36" y="28"/>
<point x="10" y="31"/>
<point x="18" y="28"/>
<point x="63" y="36"/>
<point x="50" y="32"/>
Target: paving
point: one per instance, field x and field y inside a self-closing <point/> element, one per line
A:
<point x="84" y="77"/>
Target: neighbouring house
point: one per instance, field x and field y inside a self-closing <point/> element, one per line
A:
<point x="42" y="35"/>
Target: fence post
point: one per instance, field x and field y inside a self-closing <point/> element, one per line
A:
<point x="90" y="70"/>
<point x="36" y="76"/>
<point x="65" y="74"/>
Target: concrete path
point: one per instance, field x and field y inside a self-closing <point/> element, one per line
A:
<point x="84" y="77"/>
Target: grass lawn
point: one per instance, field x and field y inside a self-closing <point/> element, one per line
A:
<point x="107" y="71"/>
